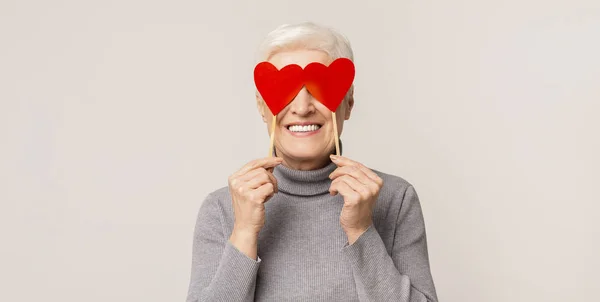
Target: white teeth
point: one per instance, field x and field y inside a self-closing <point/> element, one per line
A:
<point x="306" y="128"/>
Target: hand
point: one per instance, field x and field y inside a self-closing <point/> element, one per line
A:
<point x="360" y="188"/>
<point x="250" y="187"/>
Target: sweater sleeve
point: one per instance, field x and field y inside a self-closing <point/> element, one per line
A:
<point x="405" y="275"/>
<point x="220" y="272"/>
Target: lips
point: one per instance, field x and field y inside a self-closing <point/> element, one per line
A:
<point x="298" y="131"/>
<point x="303" y="124"/>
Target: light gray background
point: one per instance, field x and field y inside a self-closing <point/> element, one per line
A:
<point x="118" y="117"/>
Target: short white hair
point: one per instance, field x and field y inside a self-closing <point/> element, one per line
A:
<point x="306" y="35"/>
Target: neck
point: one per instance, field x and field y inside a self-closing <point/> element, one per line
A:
<point x="306" y="165"/>
<point x="304" y="182"/>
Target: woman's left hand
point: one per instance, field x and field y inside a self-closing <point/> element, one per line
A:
<point x="360" y="188"/>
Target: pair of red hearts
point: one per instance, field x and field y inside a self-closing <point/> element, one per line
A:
<point x="328" y="84"/>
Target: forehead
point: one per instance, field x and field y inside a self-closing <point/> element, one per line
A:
<point x="300" y="57"/>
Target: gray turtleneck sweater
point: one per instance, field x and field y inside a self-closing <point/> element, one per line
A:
<point x="303" y="253"/>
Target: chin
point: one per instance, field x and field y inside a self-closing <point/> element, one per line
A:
<point x="306" y="156"/>
<point x="303" y="152"/>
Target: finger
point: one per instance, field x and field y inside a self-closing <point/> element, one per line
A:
<point x="256" y="178"/>
<point x="344" y="161"/>
<point x="265" y="192"/>
<point x="267" y="162"/>
<point x="354" y="171"/>
<point x="251" y="174"/>
<point x="346" y="191"/>
<point x="261" y="175"/>
<point x="271" y="178"/>
<point x="356" y="186"/>
<point x="358" y="174"/>
<point x="372" y="175"/>
<point x="257" y="181"/>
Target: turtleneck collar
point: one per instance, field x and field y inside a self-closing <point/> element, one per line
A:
<point x="304" y="183"/>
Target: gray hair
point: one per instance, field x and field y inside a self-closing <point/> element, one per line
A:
<point x="306" y="35"/>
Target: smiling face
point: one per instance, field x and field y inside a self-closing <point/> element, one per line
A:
<point x="304" y="135"/>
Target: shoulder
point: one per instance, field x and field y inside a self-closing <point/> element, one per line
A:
<point x="397" y="199"/>
<point x="215" y="202"/>
<point x="393" y="185"/>
<point x="220" y="193"/>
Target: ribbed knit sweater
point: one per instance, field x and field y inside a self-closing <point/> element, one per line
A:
<point x="304" y="254"/>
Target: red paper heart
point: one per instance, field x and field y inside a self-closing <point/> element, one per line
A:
<point x="278" y="87"/>
<point x="329" y="84"/>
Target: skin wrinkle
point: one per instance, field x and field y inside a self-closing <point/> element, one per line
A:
<point x="320" y="238"/>
<point x="304" y="153"/>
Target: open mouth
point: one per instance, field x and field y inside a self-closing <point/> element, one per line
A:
<point x="304" y="128"/>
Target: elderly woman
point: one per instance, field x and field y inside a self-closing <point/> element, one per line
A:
<point x="306" y="225"/>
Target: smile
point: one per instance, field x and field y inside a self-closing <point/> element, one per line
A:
<point x="303" y="131"/>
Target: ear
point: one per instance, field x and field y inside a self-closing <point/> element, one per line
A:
<point x="349" y="104"/>
<point x="260" y="104"/>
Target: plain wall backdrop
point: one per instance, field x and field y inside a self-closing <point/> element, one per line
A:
<point x="118" y="117"/>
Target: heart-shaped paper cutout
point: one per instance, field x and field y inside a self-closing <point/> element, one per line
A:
<point x="329" y="84"/>
<point x="278" y="87"/>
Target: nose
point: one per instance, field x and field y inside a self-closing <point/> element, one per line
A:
<point x="303" y="103"/>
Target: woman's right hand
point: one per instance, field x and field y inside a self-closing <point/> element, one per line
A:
<point x="250" y="187"/>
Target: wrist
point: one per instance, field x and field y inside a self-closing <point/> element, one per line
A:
<point x="245" y="232"/>
<point x="246" y="242"/>
<point x="354" y="234"/>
